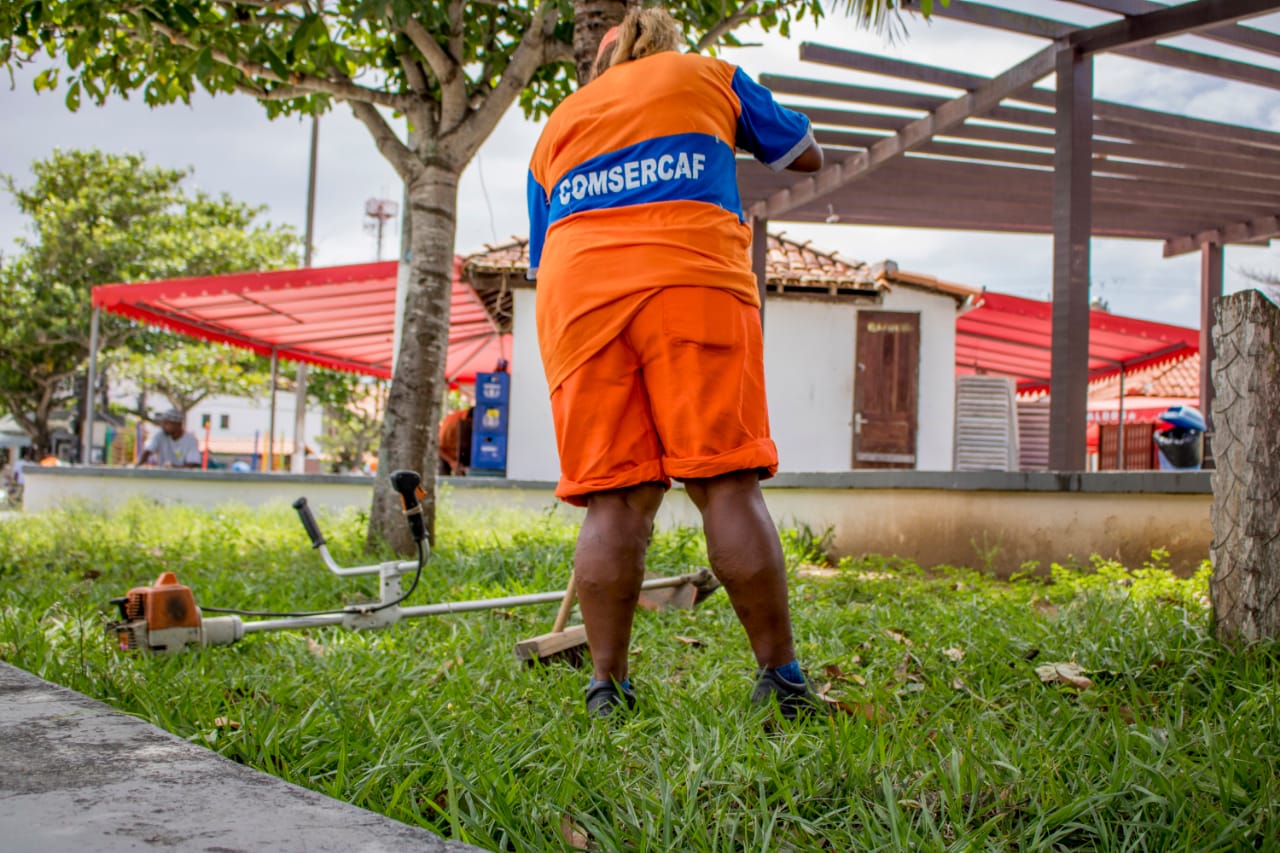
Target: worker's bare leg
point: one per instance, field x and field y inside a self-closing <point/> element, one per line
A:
<point x="746" y="555"/>
<point x="608" y="568"/>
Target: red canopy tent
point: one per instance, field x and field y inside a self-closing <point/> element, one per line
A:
<point x="335" y="317"/>
<point x="1012" y="336"/>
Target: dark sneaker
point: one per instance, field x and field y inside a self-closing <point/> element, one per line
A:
<point x="603" y="697"/>
<point x="794" y="700"/>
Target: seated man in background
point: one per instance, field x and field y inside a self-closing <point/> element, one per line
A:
<point x="171" y="446"/>
<point x="455" y="443"/>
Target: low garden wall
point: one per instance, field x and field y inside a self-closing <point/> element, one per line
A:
<point x="992" y="520"/>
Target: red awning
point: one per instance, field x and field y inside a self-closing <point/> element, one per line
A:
<point x="1012" y="336"/>
<point x="336" y="317"/>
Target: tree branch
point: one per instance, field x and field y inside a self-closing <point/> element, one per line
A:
<point x="528" y="57"/>
<point x="740" y="16"/>
<point x="342" y="89"/>
<point x="558" y="51"/>
<point x="415" y="76"/>
<point x="261" y="4"/>
<point x="447" y="70"/>
<point x="390" y="146"/>
<point x="457" y="31"/>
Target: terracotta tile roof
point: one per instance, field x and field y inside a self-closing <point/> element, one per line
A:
<point x="1177" y="378"/>
<point x="792" y="267"/>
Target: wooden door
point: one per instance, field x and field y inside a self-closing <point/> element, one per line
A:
<point x="886" y="389"/>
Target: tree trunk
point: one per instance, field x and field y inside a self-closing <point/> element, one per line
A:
<point x="591" y="20"/>
<point x="409" y="433"/>
<point x="1245" y="586"/>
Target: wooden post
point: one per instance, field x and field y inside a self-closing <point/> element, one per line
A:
<point x="1245" y="585"/>
<point x="86" y="453"/>
<point x="1072" y="227"/>
<point x="271" y="421"/>
<point x="760" y="259"/>
<point x="1210" y="293"/>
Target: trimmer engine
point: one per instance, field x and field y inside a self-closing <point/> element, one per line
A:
<point x="163" y="618"/>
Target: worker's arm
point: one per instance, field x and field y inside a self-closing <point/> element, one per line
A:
<point x="809" y="160"/>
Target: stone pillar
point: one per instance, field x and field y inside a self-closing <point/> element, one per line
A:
<point x="1245" y="586"/>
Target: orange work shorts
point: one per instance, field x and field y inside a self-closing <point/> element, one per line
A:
<point x="679" y="394"/>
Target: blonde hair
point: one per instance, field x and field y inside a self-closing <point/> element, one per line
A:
<point x="644" y="32"/>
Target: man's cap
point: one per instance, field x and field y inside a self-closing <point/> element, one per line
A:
<point x="606" y="43"/>
<point x="173" y="416"/>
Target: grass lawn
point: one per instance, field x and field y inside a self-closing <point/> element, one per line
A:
<point x="946" y="738"/>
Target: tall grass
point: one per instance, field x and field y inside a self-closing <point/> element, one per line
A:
<point x="947" y="738"/>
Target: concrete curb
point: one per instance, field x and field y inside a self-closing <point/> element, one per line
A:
<point x="77" y="775"/>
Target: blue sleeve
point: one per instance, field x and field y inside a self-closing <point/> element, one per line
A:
<point x="770" y="131"/>
<point x="539" y="213"/>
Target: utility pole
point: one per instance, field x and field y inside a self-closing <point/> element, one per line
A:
<point x="298" y="461"/>
<point x="380" y="210"/>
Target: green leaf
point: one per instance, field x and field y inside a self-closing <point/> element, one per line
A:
<point x="73" y="97"/>
<point x="184" y="14"/>
<point x="46" y="80"/>
<point x="204" y="63"/>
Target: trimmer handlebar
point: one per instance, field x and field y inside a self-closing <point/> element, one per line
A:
<point x="309" y="522"/>
<point x="406" y="484"/>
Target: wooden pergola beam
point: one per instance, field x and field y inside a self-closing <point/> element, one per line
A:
<point x="1223" y="138"/>
<point x="1133" y="36"/>
<point x="948" y="115"/>
<point x="1225" y="189"/>
<point x="1167" y="162"/>
<point x="1232" y="34"/>
<point x="1251" y="231"/>
<point x="1166" y="22"/>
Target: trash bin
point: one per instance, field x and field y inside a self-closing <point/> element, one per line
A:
<point x="1181" y="445"/>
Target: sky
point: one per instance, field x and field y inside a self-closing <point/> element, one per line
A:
<point x="230" y="146"/>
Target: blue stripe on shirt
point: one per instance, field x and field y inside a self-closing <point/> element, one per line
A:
<point x="681" y="167"/>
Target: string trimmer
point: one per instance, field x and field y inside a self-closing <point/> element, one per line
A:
<point x="164" y="618"/>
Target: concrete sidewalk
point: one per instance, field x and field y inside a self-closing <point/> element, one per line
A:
<point x="76" y="775"/>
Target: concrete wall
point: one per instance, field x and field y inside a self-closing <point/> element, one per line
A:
<point x="809" y="370"/>
<point x="982" y="519"/>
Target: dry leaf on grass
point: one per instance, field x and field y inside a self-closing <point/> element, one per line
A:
<point x="863" y="710"/>
<point x="315" y="648"/>
<point x="954" y="654"/>
<point x="897" y="638"/>
<point x="835" y="673"/>
<point x="908" y="669"/>
<point x="225" y="723"/>
<point x="688" y="641"/>
<point x="957" y="683"/>
<point x="573" y="835"/>
<point x="1070" y="674"/>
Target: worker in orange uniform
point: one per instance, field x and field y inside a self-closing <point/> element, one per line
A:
<point x="649" y="326"/>
<point x="454" y="445"/>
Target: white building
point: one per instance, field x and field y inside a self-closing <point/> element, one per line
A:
<point x="859" y="362"/>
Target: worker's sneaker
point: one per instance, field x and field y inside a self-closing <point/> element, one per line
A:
<point x="794" y="699"/>
<point x="603" y="697"/>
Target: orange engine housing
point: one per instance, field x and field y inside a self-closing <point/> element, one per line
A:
<point x="164" y="604"/>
